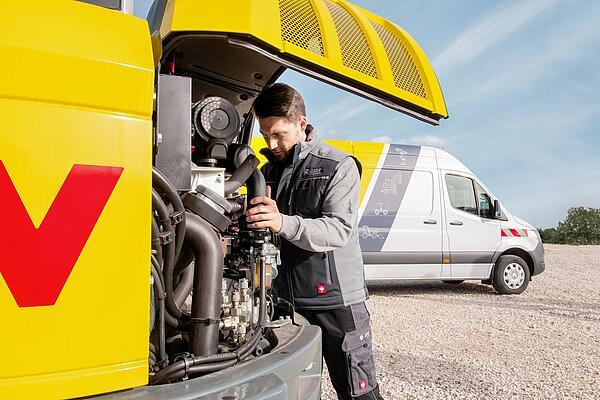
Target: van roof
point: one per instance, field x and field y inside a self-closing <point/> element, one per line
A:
<point x="444" y="159"/>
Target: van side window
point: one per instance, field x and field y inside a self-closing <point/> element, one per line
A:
<point x="485" y="203"/>
<point x="461" y="193"/>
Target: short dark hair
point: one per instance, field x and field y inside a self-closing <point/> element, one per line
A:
<point x="279" y="100"/>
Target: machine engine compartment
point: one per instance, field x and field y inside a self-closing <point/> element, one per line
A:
<point x="211" y="303"/>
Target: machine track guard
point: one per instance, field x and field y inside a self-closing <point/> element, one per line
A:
<point x="247" y="44"/>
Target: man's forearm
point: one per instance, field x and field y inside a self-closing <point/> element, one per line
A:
<point x="315" y="234"/>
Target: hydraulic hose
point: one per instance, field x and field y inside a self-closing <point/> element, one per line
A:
<point x="169" y="262"/>
<point x="156" y="246"/>
<point x="184" y="286"/>
<point x="241" y="174"/>
<point x="159" y="286"/>
<point x="165" y="186"/>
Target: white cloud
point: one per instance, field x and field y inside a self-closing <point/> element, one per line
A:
<point x="559" y="49"/>
<point x="428" y="140"/>
<point x="381" y="139"/>
<point x="491" y="29"/>
<point x="342" y="111"/>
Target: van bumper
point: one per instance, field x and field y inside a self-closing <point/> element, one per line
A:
<point x="291" y="371"/>
<point x="539" y="264"/>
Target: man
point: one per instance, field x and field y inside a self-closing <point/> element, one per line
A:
<point x="315" y="188"/>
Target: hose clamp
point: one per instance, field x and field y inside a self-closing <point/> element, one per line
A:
<point x="166" y="237"/>
<point x="177" y="217"/>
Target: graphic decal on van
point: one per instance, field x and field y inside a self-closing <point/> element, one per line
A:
<point x="387" y="194"/>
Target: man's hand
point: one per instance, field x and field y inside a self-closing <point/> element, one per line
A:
<point x="265" y="213"/>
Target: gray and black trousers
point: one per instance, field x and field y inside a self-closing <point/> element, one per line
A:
<point x="347" y="350"/>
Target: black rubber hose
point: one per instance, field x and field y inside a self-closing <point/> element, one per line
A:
<point x="160" y="291"/>
<point x="156" y="246"/>
<point x="169" y="263"/>
<point x="184" y="287"/>
<point x="241" y="153"/>
<point x="204" y="368"/>
<point x="208" y="278"/>
<point x="256" y="184"/>
<point x="165" y="186"/>
<point x="186" y="257"/>
<point x="241" y="174"/>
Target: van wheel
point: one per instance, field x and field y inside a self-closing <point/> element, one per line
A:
<point x="453" y="282"/>
<point x="511" y="275"/>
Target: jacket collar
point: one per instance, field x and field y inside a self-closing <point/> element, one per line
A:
<point x="300" y="150"/>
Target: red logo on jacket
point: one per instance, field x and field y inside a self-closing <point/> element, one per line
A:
<point x="321" y="288"/>
<point x="36" y="262"/>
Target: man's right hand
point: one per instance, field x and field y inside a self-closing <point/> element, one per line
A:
<point x="265" y="213"/>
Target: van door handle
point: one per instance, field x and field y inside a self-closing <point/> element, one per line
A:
<point x="430" y="222"/>
<point x="456" y="223"/>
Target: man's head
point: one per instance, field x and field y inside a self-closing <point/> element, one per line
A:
<point x="281" y="116"/>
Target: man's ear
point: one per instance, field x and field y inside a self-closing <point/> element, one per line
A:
<point x="303" y="123"/>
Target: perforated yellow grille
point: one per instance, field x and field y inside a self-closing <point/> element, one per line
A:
<point x="356" y="53"/>
<point x="300" y="26"/>
<point x="406" y="74"/>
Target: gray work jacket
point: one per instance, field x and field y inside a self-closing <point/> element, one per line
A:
<point x="317" y="191"/>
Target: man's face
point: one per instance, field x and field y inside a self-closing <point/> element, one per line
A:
<point x="281" y="134"/>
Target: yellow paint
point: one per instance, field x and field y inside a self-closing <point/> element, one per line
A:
<point x="261" y="20"/>
<point x="368" y="153"/>
<point x="78" y="89"/>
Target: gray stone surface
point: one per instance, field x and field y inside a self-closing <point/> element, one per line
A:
<point x="436" y="341"/>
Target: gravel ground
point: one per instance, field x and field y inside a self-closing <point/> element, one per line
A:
<point x="436" y="341"/>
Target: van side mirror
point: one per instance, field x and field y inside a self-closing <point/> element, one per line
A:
<point x="497" y="210"/>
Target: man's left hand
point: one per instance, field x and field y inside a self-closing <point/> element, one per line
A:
<point x="264" y="214"/>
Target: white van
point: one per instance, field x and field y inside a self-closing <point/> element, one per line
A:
<point x="425" y="215"/>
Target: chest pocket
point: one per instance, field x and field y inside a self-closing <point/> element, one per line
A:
<point x="307" y="195"/>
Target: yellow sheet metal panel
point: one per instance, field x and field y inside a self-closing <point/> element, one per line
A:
<point x="335" y="38"/>
<point x="59" y="49"/>
<point x="75" y="164"/>
<point x="369" y="154"/>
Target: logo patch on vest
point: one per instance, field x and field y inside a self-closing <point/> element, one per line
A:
<point x="321" y="288"/>
<point x="362" y="384"/>
<point x="313" y="171"/>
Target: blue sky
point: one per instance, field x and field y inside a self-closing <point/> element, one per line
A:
<point x="521" y="81"/>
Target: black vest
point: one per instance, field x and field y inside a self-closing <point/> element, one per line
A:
<point x="307" y="279"/>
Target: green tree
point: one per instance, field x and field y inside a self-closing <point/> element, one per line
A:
<point x="550" y="235"/>
<point x="581" y="226"/>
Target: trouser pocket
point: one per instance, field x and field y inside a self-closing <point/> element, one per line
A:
<point x="360" y="365"/>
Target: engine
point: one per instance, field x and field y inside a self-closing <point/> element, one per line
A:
<point x="211" y="300"/>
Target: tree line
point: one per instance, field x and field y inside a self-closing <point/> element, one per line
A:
<point x="580" y="226"/>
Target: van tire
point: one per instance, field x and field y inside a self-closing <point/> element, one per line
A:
<point x="511" y="275"/>
<point x="453" y="282"/>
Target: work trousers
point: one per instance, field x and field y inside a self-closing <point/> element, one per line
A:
<point x="347" y="349"/>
